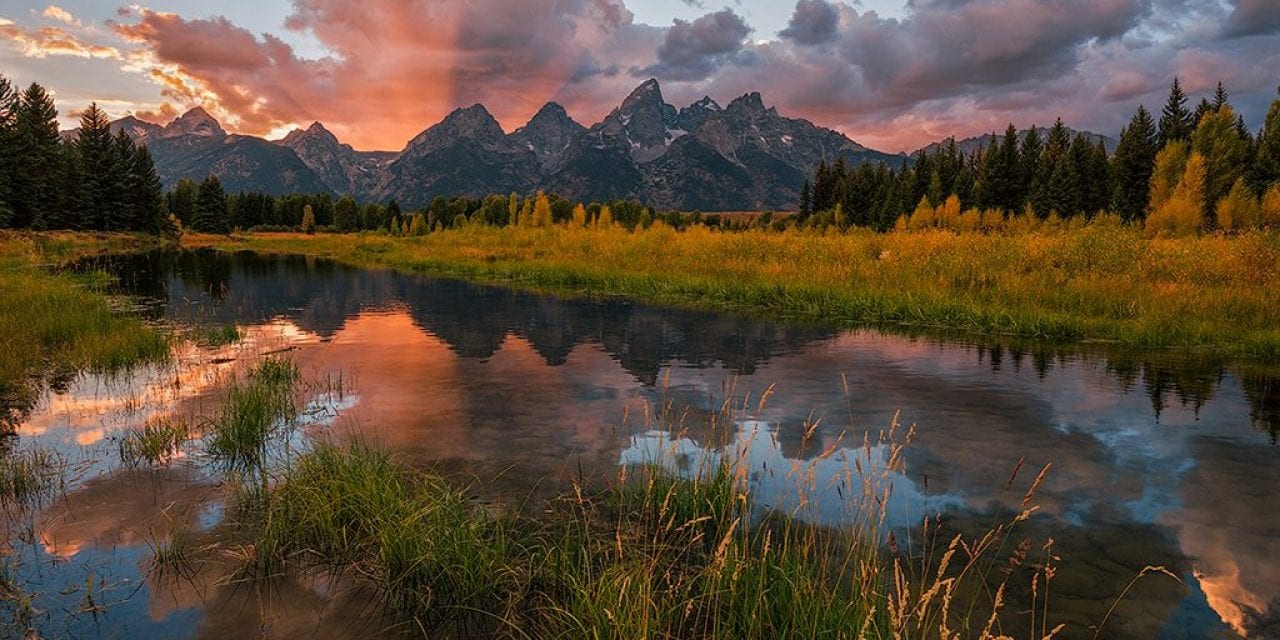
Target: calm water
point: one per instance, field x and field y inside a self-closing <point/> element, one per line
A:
<point x="1158" y="459"/>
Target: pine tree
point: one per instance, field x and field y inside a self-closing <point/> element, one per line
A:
<point x="1220" y="97"/>
<point x="103" y="170"/>
<point x="1203" y="110"/>
<point x="149" y="215"/>
<point x="130" y="209"/>
<point x="309" y="220"/>
<point x="1002" y="187"/>
<point x="1175" y="120"/>
<point x="8" y="147"/>
<point x="1265" y="170"/>
<point x="1029" y="157"/>
<point x="1049" y="185"/>
<point x="73" y="196"/>
<point x="37" y="136"/>
<point x="1132" y="166"/>
<point x="181" y="202"/>
<point x="210" y="212"/>
<point x="806" y="202"/>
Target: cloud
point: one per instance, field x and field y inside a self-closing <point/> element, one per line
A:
<point x="695" y="50"/>
<point x="938" y="68"/>
<point x="395" y="65"/>
<point x="54" y="12"/>
<point x="52" y="41"/>
<point x="1253" y="17"/>
<point x="813" y="22"/>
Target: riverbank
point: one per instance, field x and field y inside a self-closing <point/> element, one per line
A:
<point x="1098" y="283"/>
<point x="52" y="323"/>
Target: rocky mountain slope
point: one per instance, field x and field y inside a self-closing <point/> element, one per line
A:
<point x="743" y="156"/>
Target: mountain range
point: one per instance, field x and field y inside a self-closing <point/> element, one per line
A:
<point x="743" y="156"/>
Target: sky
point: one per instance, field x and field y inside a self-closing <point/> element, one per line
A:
<point x="892" y="74"/>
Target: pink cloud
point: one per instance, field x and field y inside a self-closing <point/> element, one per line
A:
<point x="943" y="68"/>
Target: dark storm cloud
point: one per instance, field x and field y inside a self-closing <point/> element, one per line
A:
<point x="695" y="50"/>
<point x="813" y="22"/>
<point x="1253" y="17"/>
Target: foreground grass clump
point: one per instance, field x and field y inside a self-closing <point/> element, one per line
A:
<point x="657" y="556"/>
<point x="435" y="557"/>
<point x="255" y="407"/>
<point x="28" y="475"/>
<point x="156" y="443"/>
<point x="215" y="336"/>
<point x="1102" y="281"/>
<point x="59" y="322"/>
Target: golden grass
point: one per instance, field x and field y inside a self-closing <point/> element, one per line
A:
<point x="1098" y="282"/>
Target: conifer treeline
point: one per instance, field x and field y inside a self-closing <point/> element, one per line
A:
<point x="1190" y="171"/>
<point x="205" y="208"/>
<point x="95" y="181"/>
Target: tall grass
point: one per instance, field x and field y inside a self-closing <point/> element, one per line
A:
<point x="653" y="556"/>
<point x="1100" y="281"/>
<point x="29" y="475"/>
<point x="59" y="322"/>
<point x="255" y="408"/>
<point x="156" y="443"/>
<point x="435" y="557"/>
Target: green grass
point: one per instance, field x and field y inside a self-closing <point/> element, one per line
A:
<point x="156" y="443"/>
<point x="654" y="557"/>
<point x="27" y="476"/>
<point x="435" y="558"/>
<point x="54" y="323"/>
<point x="215" y="336"/>
<point x="255" y="408"/>
<point x="1093" y="283"/>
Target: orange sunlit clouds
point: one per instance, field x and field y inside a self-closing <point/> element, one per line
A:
<point x="53" y="41"/>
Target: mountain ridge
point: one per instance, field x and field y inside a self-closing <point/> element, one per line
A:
<point x="742" y="156"/>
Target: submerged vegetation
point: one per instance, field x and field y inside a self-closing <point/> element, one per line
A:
<point x="1100" y="281"/>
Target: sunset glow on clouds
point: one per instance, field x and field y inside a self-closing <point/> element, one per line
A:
<point x="893" y="75"/>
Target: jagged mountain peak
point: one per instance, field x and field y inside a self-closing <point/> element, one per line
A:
<point x="196" y="122"/>
<point x="706" y="103"/>
<point x="548" y="134"/>
<point x="751" y="103"/>
<point x="475" y="114"/>
<point x="550" y="110"/>
<point x="648" y="92"/>
<point x="692" y="116"/>
<point x="316" y="131"/>
<point x="704" y="156"/>
<point x="469" y="123"/>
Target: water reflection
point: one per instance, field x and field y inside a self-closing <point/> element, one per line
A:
<point x="1162" y="459"/>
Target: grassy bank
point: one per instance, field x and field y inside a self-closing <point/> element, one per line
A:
<point x="1101" y="282"/>
<point x="53" y="323"/>
<point x="654" y="556"/>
